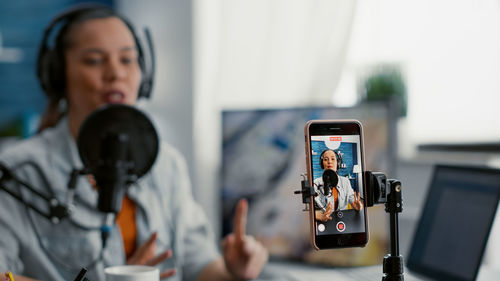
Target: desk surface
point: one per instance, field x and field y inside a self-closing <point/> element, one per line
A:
<point x="304" y="272"/>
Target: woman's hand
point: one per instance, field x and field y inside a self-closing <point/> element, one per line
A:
<point x="357" y="203"/>
<point x="145" y="255"/>
<point x="243" y="255"/>
<point x="5" y="276"/>
<point x="326" y="215"/>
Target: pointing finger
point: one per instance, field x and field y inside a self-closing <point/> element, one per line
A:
<point x="240" y="220"/>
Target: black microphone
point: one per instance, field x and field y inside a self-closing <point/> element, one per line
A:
<point x="330" y="180"/>
<point x="118" y="144"/>
<point x="111" y="173"/>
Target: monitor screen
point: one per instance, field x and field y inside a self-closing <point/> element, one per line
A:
<point x="263" y="160"/>
<point x="455" y="222"/>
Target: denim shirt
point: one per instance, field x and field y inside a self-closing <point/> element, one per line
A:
<point x="33" y="246"/>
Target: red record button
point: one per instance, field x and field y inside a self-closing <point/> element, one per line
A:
<point x="340" y="226"/>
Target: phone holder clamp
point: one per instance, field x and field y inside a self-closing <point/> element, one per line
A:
<point x="307" y="191"/>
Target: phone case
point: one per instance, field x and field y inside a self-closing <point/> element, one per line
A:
<point x="310" y="175"/>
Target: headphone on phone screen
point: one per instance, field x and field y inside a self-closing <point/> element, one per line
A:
<point x="51" y="62"/>
<point x="338" y="154"/>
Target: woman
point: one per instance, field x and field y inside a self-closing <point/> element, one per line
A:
<point x="340" y="196"/>
<point x="99" y="62"/>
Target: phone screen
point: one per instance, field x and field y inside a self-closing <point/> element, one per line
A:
<point x="336" y="167"/>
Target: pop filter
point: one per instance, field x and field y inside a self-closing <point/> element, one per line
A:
<point x="330" y="180"/>
<point x="118" y="144"/>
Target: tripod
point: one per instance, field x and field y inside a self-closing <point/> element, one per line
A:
<point x="379" y="190"/>
<point x="393" y="262"/>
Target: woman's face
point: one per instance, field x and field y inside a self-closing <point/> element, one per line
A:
<point x="101" y="67"/>
<point x="330" y="160"/>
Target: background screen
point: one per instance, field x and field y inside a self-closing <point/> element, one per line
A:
<point x="263" y="160"/>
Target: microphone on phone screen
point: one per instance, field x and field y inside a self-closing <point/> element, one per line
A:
<point x="330" y="180"/>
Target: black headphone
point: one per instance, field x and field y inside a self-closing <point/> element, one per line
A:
<point x="338" y="154"/>
<point x="50" y="62"/>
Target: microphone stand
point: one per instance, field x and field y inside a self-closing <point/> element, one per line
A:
<point x="57" y="210"/>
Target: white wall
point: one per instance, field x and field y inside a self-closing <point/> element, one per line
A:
<point x="171" y="104"/>
<point x="450" y="54"/>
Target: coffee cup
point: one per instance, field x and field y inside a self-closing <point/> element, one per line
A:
<point x="132" y="273"/>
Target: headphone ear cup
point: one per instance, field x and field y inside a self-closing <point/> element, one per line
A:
<point x="321" y="158"/>
<point x="54" y="72"/>
<point x="147" y="64"/>
<point x="44" y="73"/>
<point x="145" y="87"/>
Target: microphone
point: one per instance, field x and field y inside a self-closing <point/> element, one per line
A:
<point x="118" y="144"/>
<point x="330" y="180"/>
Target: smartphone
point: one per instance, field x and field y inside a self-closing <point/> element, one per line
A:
<point x="335" y="166"/>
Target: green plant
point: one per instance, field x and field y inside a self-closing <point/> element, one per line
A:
<point x="384" y="83"/>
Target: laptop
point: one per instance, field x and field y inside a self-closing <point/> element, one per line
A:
<point x="455" y="223"/>
<point x="453" y="229"/>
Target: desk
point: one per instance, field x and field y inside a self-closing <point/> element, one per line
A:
<point x="303" y="272"/>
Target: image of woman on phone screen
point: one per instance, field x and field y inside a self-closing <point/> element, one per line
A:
<point x="336" y="198"/>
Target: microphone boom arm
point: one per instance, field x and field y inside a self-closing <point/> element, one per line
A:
<point x="57" y="210"/>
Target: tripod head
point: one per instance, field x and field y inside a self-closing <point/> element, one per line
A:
<point x="378" y="190"/>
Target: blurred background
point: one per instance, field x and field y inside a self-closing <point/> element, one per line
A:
<point x="436" y="63"/>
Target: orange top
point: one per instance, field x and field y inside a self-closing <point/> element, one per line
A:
<point x="335" y="198"/>
<point x="126" y="221"/>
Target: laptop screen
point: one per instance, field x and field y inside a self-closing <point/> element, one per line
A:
<point x="455" y="223"/>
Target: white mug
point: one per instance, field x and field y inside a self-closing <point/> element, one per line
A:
<point x="132" y="273"/>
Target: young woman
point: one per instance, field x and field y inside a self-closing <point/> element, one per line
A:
<point x="95" y="60"/>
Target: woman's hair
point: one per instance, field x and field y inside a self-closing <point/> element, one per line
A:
<point x="51" y="61"/>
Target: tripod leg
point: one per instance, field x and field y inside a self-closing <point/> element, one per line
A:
<point x="393" y="262"/>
